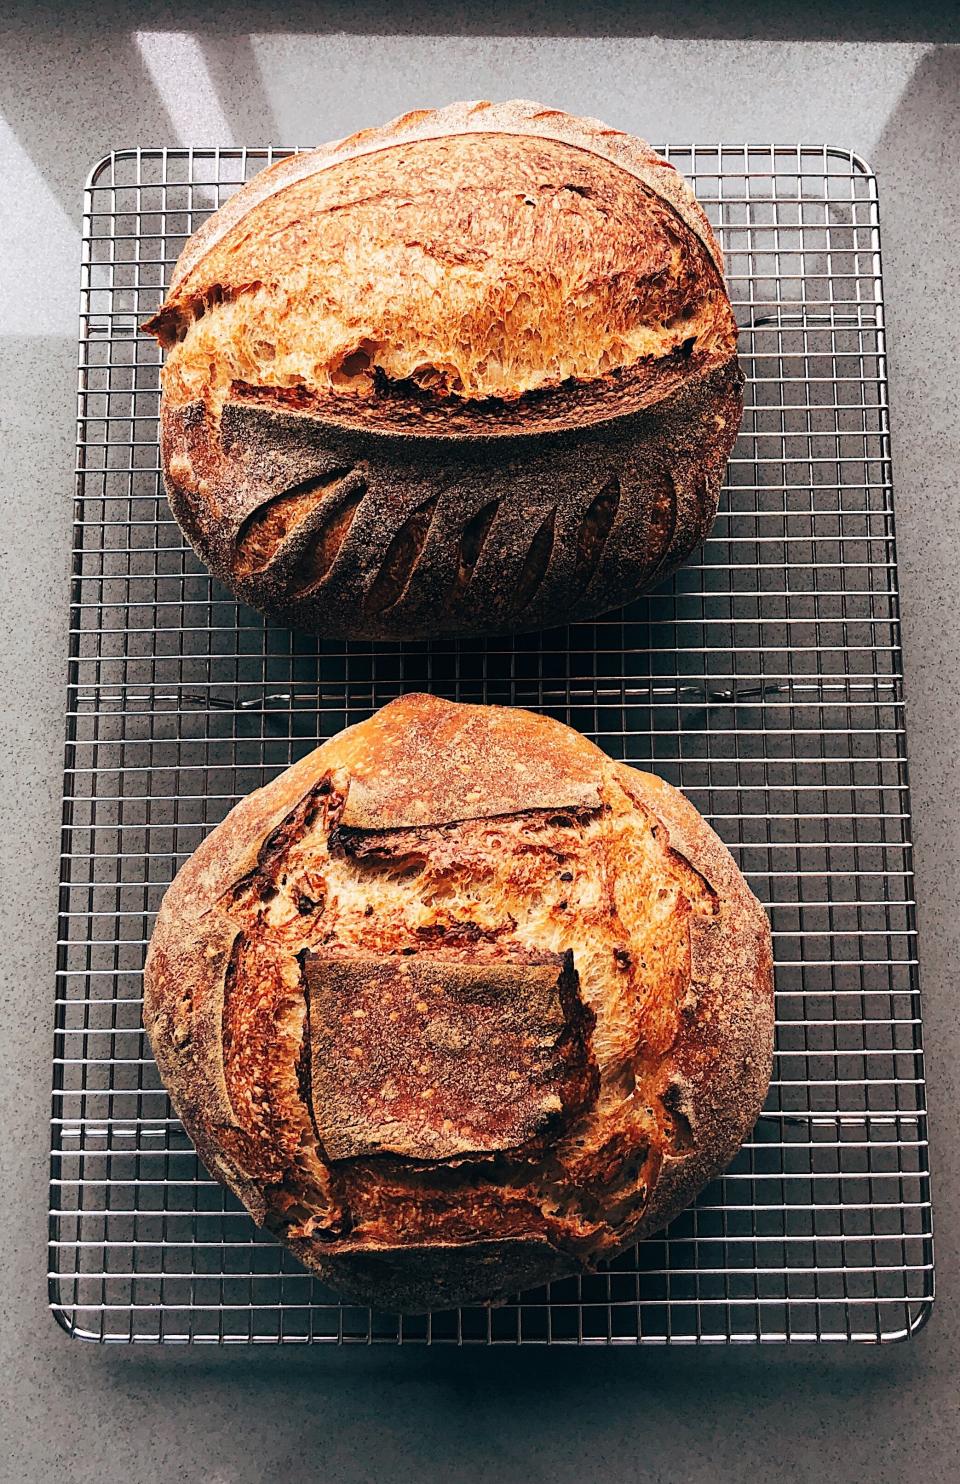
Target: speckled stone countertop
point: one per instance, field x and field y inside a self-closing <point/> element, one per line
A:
<point x="883" y="80"/>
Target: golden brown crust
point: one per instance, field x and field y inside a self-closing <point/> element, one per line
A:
<point x="719" y="1067"/>
<point x="395" y="783"/>
<point x="519" y="116"/>
<point x="654" y="1070"/>
<point x="492" y="383"/>
<point x="492" y="267"/>
<point x="486" y="251"/>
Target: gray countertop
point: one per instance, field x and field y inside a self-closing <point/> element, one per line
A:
<point x="882" y="80"/>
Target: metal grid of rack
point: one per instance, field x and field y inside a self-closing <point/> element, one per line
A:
<point x="764" y="679"/>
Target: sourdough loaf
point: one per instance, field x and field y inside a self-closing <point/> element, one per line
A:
<point x="471" y="371"/>
<point x="457" y="1005"/>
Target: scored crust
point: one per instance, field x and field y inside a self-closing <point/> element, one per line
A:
<point x="531" y="1024"/>
<point x="472" y="371"/>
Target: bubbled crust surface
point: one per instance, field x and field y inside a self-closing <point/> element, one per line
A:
<point x="472" y="371"/>
<point x="484" y="252"/>
<point x="602" y="936"/>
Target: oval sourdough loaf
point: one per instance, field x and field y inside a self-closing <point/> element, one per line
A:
<point x="457" y="1005"/>
<point x="471" y="371"/>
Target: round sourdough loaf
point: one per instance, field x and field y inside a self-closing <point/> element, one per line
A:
<point x="457" y="1005"/>
<point x="472" y="371"/>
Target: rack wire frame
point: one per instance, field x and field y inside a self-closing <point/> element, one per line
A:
<point x="764" y="679"/>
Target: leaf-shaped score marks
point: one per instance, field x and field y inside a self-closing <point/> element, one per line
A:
<point x="536" y="562"/>
<point x="267" y="528"/>
<point x="594" y="533"/>
<point x="399" y="564"/>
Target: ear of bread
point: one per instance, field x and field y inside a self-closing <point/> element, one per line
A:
<point x="440" y="1051"/>
<point x="391" y="760"/>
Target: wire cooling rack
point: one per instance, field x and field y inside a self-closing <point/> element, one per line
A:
<point x="764" y="679"/>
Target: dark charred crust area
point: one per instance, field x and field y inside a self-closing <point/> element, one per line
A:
<point x="595" y="532"/>
<point x="662" y="522"/>
<point x="536" y="562"/>
<point x="376" y="534"/>
<point x="470" y="547"/>
<point x="303" y="1066"/>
